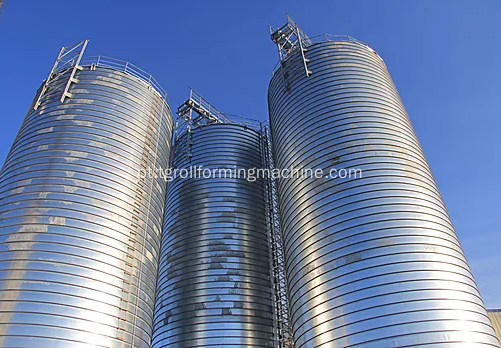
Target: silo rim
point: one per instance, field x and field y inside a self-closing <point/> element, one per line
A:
<point x="326" y="37"/>
<point x="120" y="66"/>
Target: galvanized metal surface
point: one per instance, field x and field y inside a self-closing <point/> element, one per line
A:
<point x="373" y="261"/>
<point x="214" y="285"/>
<point x="79" y="230"/>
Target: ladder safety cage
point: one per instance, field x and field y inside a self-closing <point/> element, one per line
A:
<point x="283" y="330"/>
<point x="289" y="39"/>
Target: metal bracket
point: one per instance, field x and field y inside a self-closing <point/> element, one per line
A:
<point x="69" y="56"/>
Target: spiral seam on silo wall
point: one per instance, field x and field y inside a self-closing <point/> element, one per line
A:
<point x="79" y="230"/>
<point x="371" y="261"/>
<point x="214" y="285"/>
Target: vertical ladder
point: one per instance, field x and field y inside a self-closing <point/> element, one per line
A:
<point x="68" y="56"/>
<point x="303" y="50"/>
<point x="289" y="38"/>
<point x="76" y="66"/>
<point x="281" y="307"/>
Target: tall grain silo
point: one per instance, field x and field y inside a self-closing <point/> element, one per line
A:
<point x="79" y="228"/>
<point x="214" y="284"/>
<point x="372" y="261"/>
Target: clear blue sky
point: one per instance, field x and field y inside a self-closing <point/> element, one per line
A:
<point x="444" y="56"/>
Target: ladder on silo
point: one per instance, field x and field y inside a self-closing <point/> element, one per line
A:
<point x="289" y="38"/>
<point x="69" y="56"/>
<point x="283" y="330"/>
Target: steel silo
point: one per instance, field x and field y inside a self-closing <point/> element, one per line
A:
<point x="79" y="228"/>
<point x="214" y="285"/>
<point x="372" y="261"/>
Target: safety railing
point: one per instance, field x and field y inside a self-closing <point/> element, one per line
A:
<point x="244" y="121"/>
<point x="183" y="125"/>
<point x="119" y="65"/>
<point x="206" y="113"/>
<point x="329" y="37"/>
<point x="207" y="107"/>
<point x="325" y="37"/>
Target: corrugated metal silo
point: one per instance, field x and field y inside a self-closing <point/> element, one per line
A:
<point x="372" y="261"/>
<point x="214" y="286"/>
<point x="79" y="229"/>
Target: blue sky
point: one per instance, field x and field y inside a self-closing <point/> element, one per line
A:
<point x="444" y="56"/>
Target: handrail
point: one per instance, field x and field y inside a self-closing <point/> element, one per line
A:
<point x="208" y="107"/>
<point x="244" y="121"/>
<point x="119" y="65"/>
<point x="207" y="114"/>
<point x="182" y="125"/>
<point x="326" y="37"/>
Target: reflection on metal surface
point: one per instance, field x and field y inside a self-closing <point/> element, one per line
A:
<point x="214" y="285"/>
<point x="79" y="230"/>
<point x="373" y="261"/>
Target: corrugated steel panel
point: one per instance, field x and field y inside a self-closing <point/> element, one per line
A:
<point x="79" y="230"/>
<point x="375" y="261"/>
<point x="214" y="286"/>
